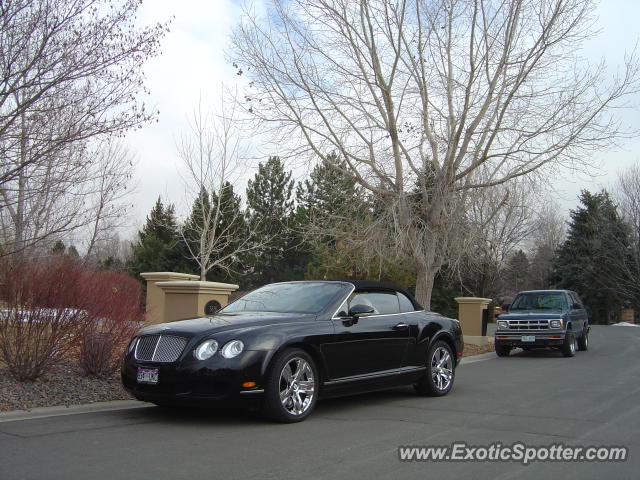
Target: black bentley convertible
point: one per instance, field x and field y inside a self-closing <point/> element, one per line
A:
<point x="286" y="344"/>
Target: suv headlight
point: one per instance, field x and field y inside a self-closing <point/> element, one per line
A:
<point x="503" y="324"/>
<point x="232" y="349"/>
<point x="556" y="323"/>
<point x="206" y="350"/>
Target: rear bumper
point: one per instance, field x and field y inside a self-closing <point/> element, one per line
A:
<point x="541" y="338"/>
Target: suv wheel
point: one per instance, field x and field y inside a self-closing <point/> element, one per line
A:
<point x="570" y="345"/>
<point x="583" y="341"/>
<point x="502" y="350"/>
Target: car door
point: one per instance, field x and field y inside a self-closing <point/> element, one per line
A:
<point x="375" y="343"/>
<point x="577" y="315"/>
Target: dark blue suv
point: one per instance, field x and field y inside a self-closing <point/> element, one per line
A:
<point x="543" y="319"/>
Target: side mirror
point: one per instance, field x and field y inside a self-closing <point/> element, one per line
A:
<point x="360" y="310"/>
<point x="505" y="307"/>
<point x="576" y="306"/>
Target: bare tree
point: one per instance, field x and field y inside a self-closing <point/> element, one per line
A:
<point x="547" y="235"/>
<point x="81" y="189"/>
<point x="499" y="221"/>
<point x="213" y="153"/>
<point x="444" y="97"/>
<point x="625" y="262"/>
<point x="70" y="76"/>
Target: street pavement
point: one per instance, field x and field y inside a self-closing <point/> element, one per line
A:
<point x="538" y="398"/>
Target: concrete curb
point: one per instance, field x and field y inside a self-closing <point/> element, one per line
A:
<point x="478" y="358"/>
<point x="43" y="412"/>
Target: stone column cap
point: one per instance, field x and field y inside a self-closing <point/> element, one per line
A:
<point x="473" y="300"/>
<point x="192" y="286"/>
<point x="151" y="276"/>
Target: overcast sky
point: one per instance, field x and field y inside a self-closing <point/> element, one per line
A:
<point x="192" y="65"/>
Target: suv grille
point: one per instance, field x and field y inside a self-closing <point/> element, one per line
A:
<point x="159" y="348"/>
<point x="528" y="324"/>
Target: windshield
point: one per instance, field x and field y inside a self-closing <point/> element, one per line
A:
<point x="540" y="301"/>
<point x="310" y="297"/>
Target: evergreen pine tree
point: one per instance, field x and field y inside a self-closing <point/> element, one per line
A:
<point x="596" y="233"/>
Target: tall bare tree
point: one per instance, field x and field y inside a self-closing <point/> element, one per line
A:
<point x="70" y="73"/>
<point x="440" y="96"/>
<point x="214" y="154"/>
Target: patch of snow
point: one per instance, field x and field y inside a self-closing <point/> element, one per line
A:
<point x="625" y="324"/>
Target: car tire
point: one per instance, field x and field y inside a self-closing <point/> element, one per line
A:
<point x="502" y="350"/>
<point x="583" y="341"/>
<point x="441" y="371"/>
<point x="569" y="346"/>
<point x="291" y="387"/>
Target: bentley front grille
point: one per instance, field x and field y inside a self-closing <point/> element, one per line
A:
<point x="159" y="348"/>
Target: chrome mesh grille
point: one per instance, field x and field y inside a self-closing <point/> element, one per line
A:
<point x="159" y="348"/>
<point x="528" y="324"/>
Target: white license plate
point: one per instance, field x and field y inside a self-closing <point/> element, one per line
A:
<point x="147" y="375"/>
<point x="528" y="338"/>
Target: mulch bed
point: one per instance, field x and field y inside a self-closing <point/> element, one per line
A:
<point x="63" y="385"/>
<point x="66" y="385"/>
<point x="470" y="350"/>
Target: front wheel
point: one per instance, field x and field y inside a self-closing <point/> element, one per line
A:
<point x="583" y="341"/>
<point x="291" y="387"/>
<point x="502" y="350"/>
<point x="438" y="379"/>
<point x="570" y="345"/>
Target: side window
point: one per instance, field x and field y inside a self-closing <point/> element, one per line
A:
<point x="576" y="299"/>
<point x="382" y="302"/>
<point x="405" y="303"/>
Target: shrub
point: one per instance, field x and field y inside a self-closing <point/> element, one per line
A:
<point x="112" y="302"/>
<point x="57" y="308"/>
<point x="43" y="313"/>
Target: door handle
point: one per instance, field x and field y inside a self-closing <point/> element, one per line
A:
<point x="401" y="326"/>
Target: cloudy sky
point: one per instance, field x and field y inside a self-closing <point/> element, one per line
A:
<point x="192" y="66"/>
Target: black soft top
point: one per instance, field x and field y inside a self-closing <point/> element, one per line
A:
<point x="371" y="285"/>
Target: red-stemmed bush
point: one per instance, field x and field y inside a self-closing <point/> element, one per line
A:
<point x="56" y="308"/>
<point x="112" y="302"/>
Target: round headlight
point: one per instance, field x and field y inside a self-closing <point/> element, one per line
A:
<point x="206" y="350"/>
<point x="503" y="324"/>
<point x="232" y="349"/>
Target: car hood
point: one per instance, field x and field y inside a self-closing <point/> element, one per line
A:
<point x="226" y="321"/>
<point x="531" y="314"/>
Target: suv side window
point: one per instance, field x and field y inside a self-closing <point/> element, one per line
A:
<point x="405" y="303"/>
<point x="576" y="299"/>
<point x="382" y="302"/>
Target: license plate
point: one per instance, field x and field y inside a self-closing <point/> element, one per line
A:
<point x="147" y="375"/>
<point x="528" y="338"/>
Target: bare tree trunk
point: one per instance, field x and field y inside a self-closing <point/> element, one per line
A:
<point x="425" y="279"/>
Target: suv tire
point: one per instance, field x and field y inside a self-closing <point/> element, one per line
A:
<point x="570" y="345"/>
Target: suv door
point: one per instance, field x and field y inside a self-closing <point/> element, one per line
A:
<point x="578" y="316"/>
<point x="375" y="343"/>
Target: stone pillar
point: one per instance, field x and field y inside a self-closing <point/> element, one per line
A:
<point x="189" y="299"/>
<point x="155" y="296"/>
<point x="470" y="311"/>
<point x="628" y="315"/>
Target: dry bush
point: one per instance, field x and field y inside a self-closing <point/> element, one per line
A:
<point x="58" y="308"/>
<point x="112" y="302"/>
<point x="42" y="313"/>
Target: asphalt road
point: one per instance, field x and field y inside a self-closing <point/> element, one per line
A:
<point x="537" y="398"/>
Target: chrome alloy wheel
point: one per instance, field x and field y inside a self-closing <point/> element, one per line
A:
<point x="297" y="386"/>
<point x="574" y="345"/>
<point x="441" y="368"/>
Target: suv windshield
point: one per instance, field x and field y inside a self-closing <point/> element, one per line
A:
<point x="310" y="297"/>
<point x="540" y="301"/>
